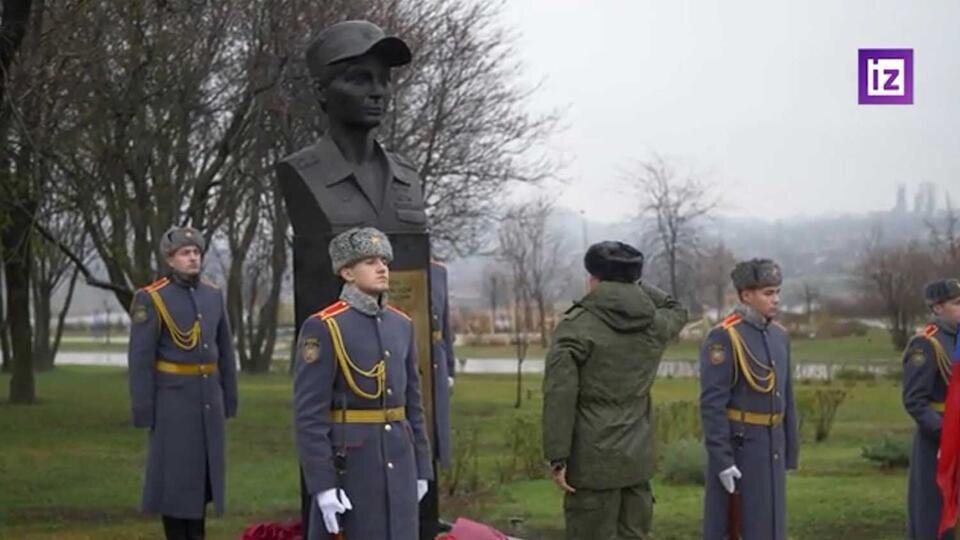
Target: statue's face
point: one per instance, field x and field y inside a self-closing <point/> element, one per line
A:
<point x="358" y="94"/>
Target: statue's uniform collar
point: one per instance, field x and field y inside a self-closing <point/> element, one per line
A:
<point x="336" y="168"/>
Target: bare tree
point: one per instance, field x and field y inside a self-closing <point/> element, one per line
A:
<point x="715" y="265"/>
<point x="811" y="294"/>
<point x="893" y="277"/>
<point x="151" y="114"/>
<point x="515" y="250"/>
<point x="5" y="348"/>
<point x="19" y="202"/>
<point x="544" y="262"/>
<point x="672" y="208"/>
<point x="52" y="269"/>
<point x="462" y="116"/>
<point x="945" y="239"/>
<point x="494" y="290"/>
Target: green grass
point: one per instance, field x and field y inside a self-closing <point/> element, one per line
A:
<point x="874" y="347"/>
<point x="70" y="467"/>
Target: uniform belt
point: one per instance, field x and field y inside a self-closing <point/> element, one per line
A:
<point x="757" y="419"/>
<point x="178" y="368"/>
<point x="368" y="416"/>
<point x="437" y="335"/>
<point x="938" y="406"/>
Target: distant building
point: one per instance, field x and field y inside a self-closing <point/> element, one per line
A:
<point x="901" y="207"/>
<point x="925" y="200"/>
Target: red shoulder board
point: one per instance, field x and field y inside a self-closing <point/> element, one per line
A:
<point x="928" y="330"/>
<point x="333" y="309"/>
<point x="731" y="320"/>
<point x="156" y="285"/>
<point x="398" y="311"/>
<point x="435" y="262"/>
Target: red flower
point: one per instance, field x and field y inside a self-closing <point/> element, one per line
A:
<point x="272" y="531"/>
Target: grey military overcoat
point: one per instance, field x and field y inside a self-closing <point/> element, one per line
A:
<point x="761" y="453"/>
<point x="185" y="414"/>
<point x="383" y="460"/>
<point x="441" y="337"/>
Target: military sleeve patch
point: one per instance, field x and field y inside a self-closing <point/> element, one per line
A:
<point x="917" y="357"/>
<point x="310" y="350"/>
<point x="139" y="313"/>
<point x="717" y="354"/>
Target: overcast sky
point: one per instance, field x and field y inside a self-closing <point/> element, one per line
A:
<point x="759" y="96"/>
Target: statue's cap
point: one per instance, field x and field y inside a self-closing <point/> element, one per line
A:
<point x="351" y="39"/>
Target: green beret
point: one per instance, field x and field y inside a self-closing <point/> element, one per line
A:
<point x="359" y="243"/>
<point x="756" y="274"/>
<point x="178" y="237"/>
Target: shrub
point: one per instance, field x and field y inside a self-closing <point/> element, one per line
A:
<point x="888" y="452"/>
<point x="464" y="475"/>
<point x="675" y="420"/>
<point x="835" y="328"/>
<point x="854" y="374"/>
<point x="684" y="462"/>
<point x="817" y="410"/>
<point x="522" y="458"/>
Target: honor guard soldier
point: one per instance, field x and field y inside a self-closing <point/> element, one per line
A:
<point x="183" y="387"/>
<point x="596" y="396"/>
<point x="347" y="179"/>
<point x="441" y="336"/>
<point x="747" y="411"/>
<point x="358" y="415"/>
<point x="926" y="373"/>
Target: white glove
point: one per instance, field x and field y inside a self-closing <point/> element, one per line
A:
<point x="449" y="382"/>
<point x="422" y="488"/>
<point x="728" y="478"/>
<point x="331" y="505"/>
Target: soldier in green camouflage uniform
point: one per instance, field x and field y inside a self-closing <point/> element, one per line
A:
<point x="596" y="396"/>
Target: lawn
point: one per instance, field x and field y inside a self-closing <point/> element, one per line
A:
<point x="874" y="347"/>
<point x="70" y="467"/>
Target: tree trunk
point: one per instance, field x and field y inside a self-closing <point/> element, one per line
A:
<point x="672" y="263"/>
<point x="235" y="310"/>
<point x="16" y="247"/>
<point x="493" y="307"/>
<point x="541" y="312"/>
<point x="5" y="349"/>
<point x="55" y="346"/>
<point x="520" y="332"/>
<point x="42" y="358"/>
<point x="518" y="402"/>
<point x="267" y="323"/>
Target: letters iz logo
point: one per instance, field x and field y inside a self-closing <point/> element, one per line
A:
<point x="886" y="76"/>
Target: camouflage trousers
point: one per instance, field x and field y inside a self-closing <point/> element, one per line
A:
<point x="609" y="514"/>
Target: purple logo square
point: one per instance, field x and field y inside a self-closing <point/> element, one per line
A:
<point x="885" y="76"/>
